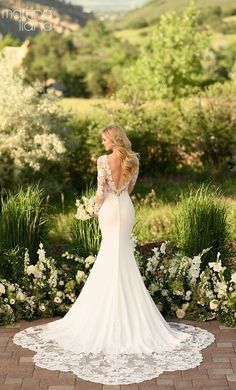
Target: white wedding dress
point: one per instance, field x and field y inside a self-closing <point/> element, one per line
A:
<point x="114" y="333"/>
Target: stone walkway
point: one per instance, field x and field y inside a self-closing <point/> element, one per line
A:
<point x="217" y="371"/>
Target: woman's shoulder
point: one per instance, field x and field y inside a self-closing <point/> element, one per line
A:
<point x="101" y="160"/>
<point x="102" y="157"/>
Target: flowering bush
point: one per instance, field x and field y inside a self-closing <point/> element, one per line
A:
<point x="48" y="288"/>
<point x="31" y="125"/>
<point x="177" y="285"/>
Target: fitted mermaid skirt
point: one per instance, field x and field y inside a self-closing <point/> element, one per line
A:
<point x="114" y="333"/>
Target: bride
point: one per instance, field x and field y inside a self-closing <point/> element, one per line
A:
<point x="114" y="333"/>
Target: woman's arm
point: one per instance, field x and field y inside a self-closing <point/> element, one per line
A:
<point x="133" y="180"/>
<point x="101" y="186"/>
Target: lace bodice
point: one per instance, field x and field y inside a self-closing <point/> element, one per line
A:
<point x="105" y="182"/>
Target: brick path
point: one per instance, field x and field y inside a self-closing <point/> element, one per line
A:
<point x="217" y="371"/>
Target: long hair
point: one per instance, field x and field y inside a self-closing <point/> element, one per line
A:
<point x="129" y="158"/>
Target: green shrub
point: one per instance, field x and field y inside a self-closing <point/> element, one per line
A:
<point x="11" y="264"/>
<point x="202" y="222"/>
<point x="22" y="219"/>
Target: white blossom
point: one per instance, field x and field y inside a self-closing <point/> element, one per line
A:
<point x="180" y="313"/>
<point x="214" y="304"/>
<point x="80" y="276"/>
<point x="20" y="296"/>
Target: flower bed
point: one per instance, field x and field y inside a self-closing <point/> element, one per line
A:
<point x="176" y="284"/>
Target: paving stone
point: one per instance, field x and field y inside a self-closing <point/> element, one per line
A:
<point x="161" y="387"/>
<point x="231" y="377"/>
<point x="13" y="326"/>
<point x="221" y="359"/>
<point x="216" y="388"/>
<point x="210" y="382"/>
<point x="87" y="385"/>
<point x="61" y="387"/>
<point x="187" y="384"/>
<point x="165" y="382"/>
<point x="220" y="371"/>
<point x="224" y="345"/>
<point x="147" y="386"/>
<point x="109" y="387"/>
<point x="130" y="387"/>
<point x="26" y="359"/>
<point x="11" y="380"/>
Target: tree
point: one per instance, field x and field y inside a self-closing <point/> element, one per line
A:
<point x="171" y="65"/>
<point x="9" y="40"/>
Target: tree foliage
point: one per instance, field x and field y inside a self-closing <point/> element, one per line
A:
<point x="171" y="65"/>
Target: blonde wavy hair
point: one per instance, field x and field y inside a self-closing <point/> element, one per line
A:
<point x="129" y="158"/>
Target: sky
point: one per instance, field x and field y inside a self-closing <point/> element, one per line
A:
<point x="109" y="5"/>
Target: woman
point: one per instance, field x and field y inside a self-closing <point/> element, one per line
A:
<point x="114" y="333"/>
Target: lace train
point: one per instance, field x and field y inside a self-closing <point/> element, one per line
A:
<point x="121" y="368"/>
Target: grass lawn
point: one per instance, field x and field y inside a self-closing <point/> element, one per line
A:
<point x="154" y="209"/>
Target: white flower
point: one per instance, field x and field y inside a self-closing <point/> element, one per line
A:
<point x="214" y="304"/>
<point x="180" y="313"/>
<point x="20" y="296"/>
<point x="197" y="259"/>
<point x="164" y="292"/>
<point x="233" y="277"/>
<point x="222" y="289"/>
<point x="41" y="252"/>
<point x="163" y="248"/>
<point x="153" y="288"/>
<point x="185" y="306"/>
<point x="188" y="295"/>
<point x="37" y="273"/>
<point x="209" y="294"/>
<point x="89" y="260"/>
<point x="61" y="283"/>
<point x="57" y="300"/>
<point x="156" y="251"/>
<point x="11" y="287"/>
<point x="178" y="293"/>
<point x="42" y="307"/>
<point x="79" y="276"/>
<point x="216" y="266"/>
<point x="12" y="301"/>
<point x="30" y="269"/>
<point x="2" y="289"/>
<point x="60" y="293"/>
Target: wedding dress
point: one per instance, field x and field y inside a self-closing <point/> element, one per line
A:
<point x="114" y="333"/>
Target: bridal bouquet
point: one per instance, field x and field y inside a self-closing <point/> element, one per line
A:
<point x="85" y="208"/>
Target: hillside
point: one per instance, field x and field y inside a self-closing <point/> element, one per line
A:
<point x="109" y="5"/>
<point x="152" y="10"/>
<point x="22" y="18"/>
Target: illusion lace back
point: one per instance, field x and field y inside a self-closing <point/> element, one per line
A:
<point x="114" y="333"/>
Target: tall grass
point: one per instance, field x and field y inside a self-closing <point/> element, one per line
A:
<point x="202" y="222"/>
<point x="22" y="219"/>
<point x="86" y="235"/>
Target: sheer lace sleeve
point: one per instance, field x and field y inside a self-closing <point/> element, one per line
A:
<point x="101" y="185"/>
<point x="135" y="176"/>
<point x="133" y="179"/>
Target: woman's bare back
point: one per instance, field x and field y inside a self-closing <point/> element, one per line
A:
<point x="116" y="170"/>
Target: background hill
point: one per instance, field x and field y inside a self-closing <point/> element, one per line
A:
<point x="152" y="10"/>
<point x="63" y="17"/>
<point x="109" y="5"/>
